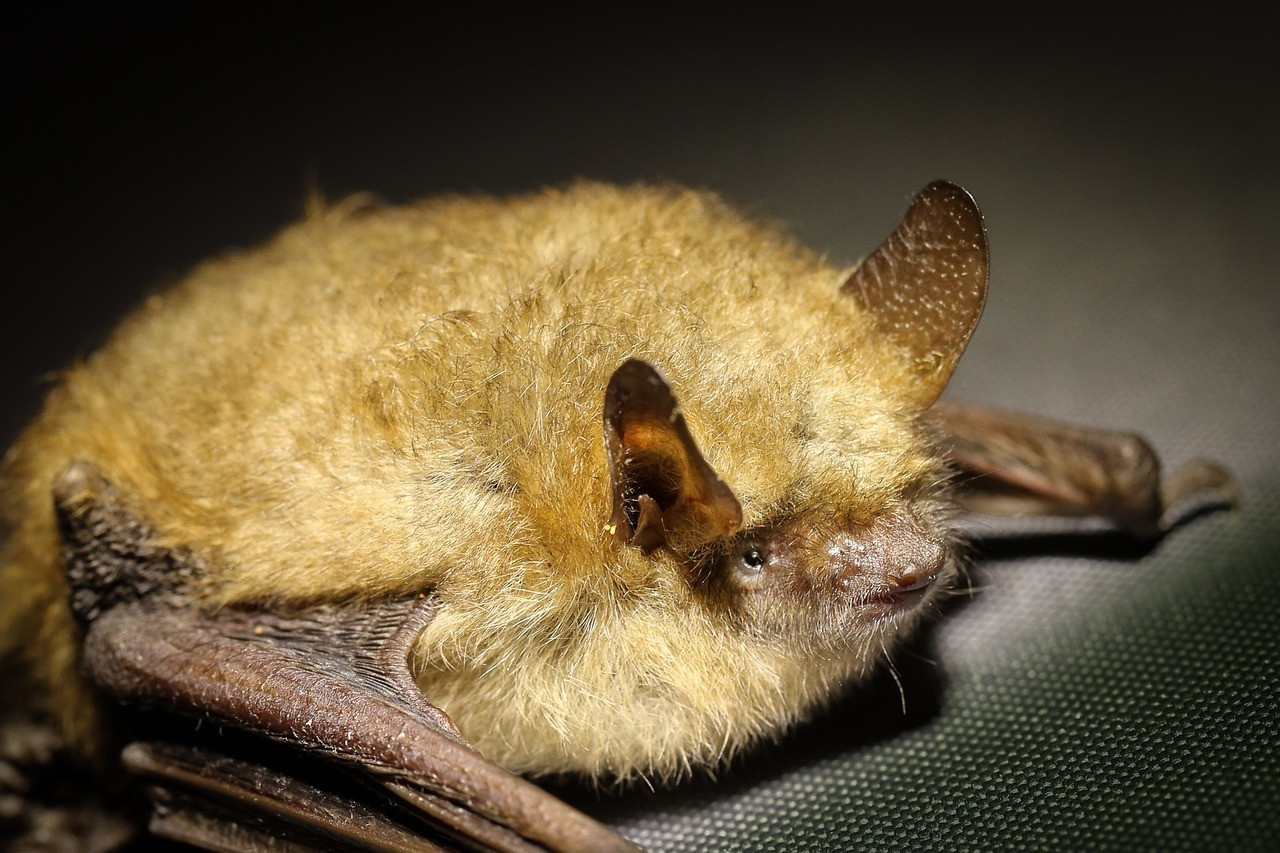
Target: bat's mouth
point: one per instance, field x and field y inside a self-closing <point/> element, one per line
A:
<point x="900" y="598"/>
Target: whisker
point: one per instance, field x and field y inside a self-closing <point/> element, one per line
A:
<point x="917" y="656"/>
<point x="893" y="673"/>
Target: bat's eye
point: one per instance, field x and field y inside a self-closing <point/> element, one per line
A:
<point x="751" y="559"/>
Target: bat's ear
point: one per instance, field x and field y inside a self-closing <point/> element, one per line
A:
<point x="926" y="284"/>
<point x="664" y="492"/>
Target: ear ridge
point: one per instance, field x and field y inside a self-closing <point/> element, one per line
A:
<point x="926" y="284"/>
<point x="664" y="492"/>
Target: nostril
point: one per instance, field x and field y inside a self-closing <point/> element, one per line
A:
<point x="912" y="582"/>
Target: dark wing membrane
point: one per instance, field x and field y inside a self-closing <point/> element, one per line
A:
<point x="1015" y="464"/>
<point x="208" y="799"/>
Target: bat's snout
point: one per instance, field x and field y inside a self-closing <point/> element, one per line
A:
<point x="896" y="556"/>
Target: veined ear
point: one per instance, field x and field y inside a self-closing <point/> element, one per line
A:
<point x="926" y="284"/>
<point x="664" y="492"/>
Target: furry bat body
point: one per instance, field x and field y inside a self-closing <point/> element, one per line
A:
<point x="603" y="481"/>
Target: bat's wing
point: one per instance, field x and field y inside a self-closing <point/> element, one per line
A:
<point x="1015" y="464"/>
<point x="357" y="758"/>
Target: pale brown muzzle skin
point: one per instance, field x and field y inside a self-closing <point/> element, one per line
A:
<point x="841" y="584"/>
<point x="890" y="558"/>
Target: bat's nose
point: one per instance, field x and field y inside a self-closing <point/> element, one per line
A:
<point x="915" y="557"/>
<point x="895" y="553"/>
<point x="913" y="581"/>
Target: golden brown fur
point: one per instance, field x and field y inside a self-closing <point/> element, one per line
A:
<point x="388" y="400"/>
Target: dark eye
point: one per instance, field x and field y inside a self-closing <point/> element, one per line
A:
<point x="751" y="559"/>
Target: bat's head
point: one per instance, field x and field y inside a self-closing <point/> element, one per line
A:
<point x="852" y="554"/>
<point x="773" y="513"/>
<point x="828" y="572"/>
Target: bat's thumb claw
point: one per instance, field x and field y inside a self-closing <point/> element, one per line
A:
<point x="1199" y="486"/>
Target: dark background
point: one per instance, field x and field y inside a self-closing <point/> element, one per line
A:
<point x="1090" y="696"/>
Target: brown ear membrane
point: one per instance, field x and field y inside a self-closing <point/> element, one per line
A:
<point x="664" y="492"/>
<point x="926" y="284"/>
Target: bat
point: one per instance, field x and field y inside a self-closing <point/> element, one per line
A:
<point x="342" y="538"/>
